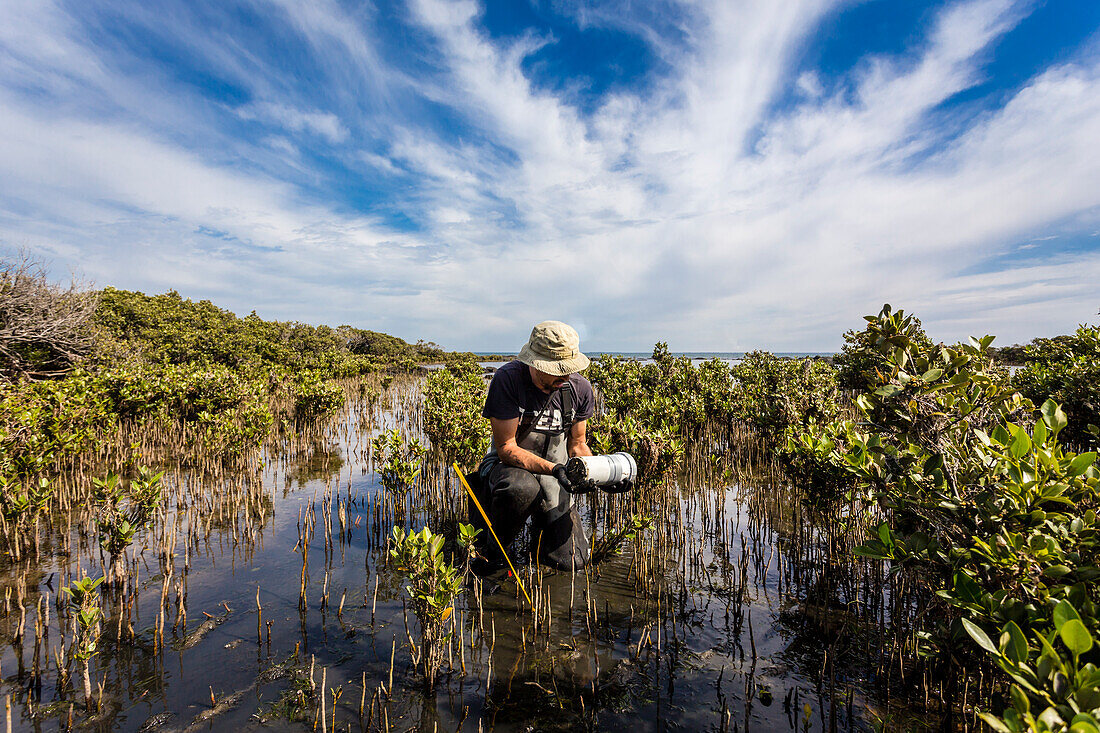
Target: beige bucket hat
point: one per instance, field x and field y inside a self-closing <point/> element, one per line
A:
<point x="554" y="348"/>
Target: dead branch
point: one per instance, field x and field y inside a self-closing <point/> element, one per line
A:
<point x="45" y="328"/>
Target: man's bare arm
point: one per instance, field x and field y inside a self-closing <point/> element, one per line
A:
<point x="504" y="440"/>
<point x="578" y="440"/>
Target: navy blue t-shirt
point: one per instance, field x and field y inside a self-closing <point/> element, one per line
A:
<point x="513" y="394"/>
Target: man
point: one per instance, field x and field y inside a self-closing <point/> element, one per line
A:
<point x="537" y="407"/>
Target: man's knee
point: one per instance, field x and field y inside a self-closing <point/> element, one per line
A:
<point x="514" y="486"/>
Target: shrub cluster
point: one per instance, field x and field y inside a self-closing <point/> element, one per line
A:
<point x="777" y="395"/>
<point x="453" y="398"/>
<point x="986" y="512"/>
<point x="1066" y="369"/>
<point x="654" y="410"/>
<point x="76" y="367"/>
<point x="858" y="363"/>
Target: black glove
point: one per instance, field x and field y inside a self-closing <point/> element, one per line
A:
<point x="573" y="487"/>
<point x="562" y="476"/>
<point x="620" y="487"/>
<point x="584" y="487"/>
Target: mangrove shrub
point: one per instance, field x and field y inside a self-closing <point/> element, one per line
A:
<point x="1066" y="369"/>
<point x="989" y="514"/>
<point x="434" y="584"/>
<point x="453" y="398"/>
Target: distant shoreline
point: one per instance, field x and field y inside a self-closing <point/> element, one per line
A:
<point x="689" y="354"/>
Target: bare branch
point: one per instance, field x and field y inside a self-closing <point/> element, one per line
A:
<point x="45" y="328"/>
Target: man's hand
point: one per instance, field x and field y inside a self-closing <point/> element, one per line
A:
<point x="573" y="487"/>
<point x="562" y="476"/>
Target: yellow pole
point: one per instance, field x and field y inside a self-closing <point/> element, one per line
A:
<point x="462" y="478"/>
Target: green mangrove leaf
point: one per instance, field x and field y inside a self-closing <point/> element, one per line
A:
<point x="1013" y="642"/>
<point x="1081" y="725"/>
<point x="995" y="723"/>
<point x="1081" y="463"/>
<point x="979" y="636"/>
<point x="1053" y="415"/>
<point x="888" y="390"/>
<point x="885" y="536"/>
<point x="966" y="589"/>
<point x="1019" y="700"/>
<point x="1076" y="637"/>
<point x="1040" y="433"/>
<point x="932" y="375"/>
<point x="874" y="550"/>
<point x="1021" y="444"/>
<point x="1088" y="699"/>
<point x="1063" y="613"/>
<point x="1060" y="421"/>
<point x="934" y="461"/>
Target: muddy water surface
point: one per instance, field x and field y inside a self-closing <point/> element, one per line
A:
<point x="262" y="600"/>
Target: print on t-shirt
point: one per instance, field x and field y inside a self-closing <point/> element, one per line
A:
<point x="549" y="422"/>
<point x="512" y="395"/>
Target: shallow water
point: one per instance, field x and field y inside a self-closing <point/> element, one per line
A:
<point x="724" y="616"/>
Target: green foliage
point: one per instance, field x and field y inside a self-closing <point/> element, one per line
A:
<point x="387" y="349"/>
<point x="433" y="587"/>
<point x="171" y="329"/>
<point x="667" y="395"/>
<point x="989" y="512"/>
<point x="658" y="451"/>
<point x="314" y="395"/>
<point x="214" y="397"/>
<point x="858" y="363"/>
<point x="398" y="460"/>
<point x="782" y="399"/>
<point x="1066" y="369"/>
<point x="1054" y="689"/>
<point x="84" y="601"/>
<point x="44" y="422"/>
<point x="777" y="395"/>
<point x="611" y="543"/>
<point x="228" y="411"/>
<point x="1014" y="355"/>
<point x="453" y="397"/>
<point x="652" y="410"/>
<point x="655" y="410"/>
<point x="164" y="361"/>
<point x="20" y="502"/>
<point x="123" y="509"/>
<point x="467" y="541"/>
<point x="810" y="460"/>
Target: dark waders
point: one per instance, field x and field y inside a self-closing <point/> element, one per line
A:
<point x="510" y="495"/>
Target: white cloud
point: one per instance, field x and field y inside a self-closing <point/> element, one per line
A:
<point x="325" y="124"/>
<point x="689" y="211"/>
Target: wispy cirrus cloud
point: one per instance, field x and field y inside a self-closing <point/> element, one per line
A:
<point x="411" y="168"/>
<point x="293" y="120"/>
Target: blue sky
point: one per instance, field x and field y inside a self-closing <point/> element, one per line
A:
<point x="717" y="174"/>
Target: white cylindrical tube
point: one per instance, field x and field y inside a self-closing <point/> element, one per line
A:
<point x="603" y="470"/>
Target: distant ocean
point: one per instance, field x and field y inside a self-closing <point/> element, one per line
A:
<point x="695" y="355"/>
<point x="646" y="356"/>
